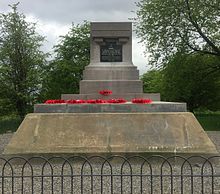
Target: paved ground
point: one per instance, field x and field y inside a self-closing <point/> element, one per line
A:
<point x="215" y="137"/>
<point x="79" y="184"/>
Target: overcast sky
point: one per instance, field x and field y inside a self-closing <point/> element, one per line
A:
<point x="54" y="18"/>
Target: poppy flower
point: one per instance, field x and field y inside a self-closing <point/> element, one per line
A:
<point x="119" y="100"/>
<point x="105" y="92"/>
<point x="141" y="101"/>
<point x="80" y="101"/>
<point x="71" y="101"/>
<point x="100" y="101"/>
<point x="54" y="101"/>
<point x="91" y="101"/>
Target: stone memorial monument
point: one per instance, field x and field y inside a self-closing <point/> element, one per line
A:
<point x="108" y="128"/>
<point x="111" y="65"/>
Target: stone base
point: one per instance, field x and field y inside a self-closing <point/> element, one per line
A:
<point x="126" y="96"/>
<point x="110" y="108"/>
<point x="111" y="133"/>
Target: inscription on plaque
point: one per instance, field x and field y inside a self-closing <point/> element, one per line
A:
<point x="111" y="51"/>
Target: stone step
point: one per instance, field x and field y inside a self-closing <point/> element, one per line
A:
<point x="116" y="86"/>
<point x="111" y="73"/>
<point x="126" y="96"/>
<point x="110" y="108"/>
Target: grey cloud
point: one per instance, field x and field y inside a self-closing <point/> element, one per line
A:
<point x="68" y="11"/>
<point x="64" y="12"/>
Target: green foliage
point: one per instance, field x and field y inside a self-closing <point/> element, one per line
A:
<point x="21" y="63"/>
<point x="209" y="121"/>
<point x="9" y="123"/>
<point x="152" y="81"/>
<point x="187" y="78"/>
<point x="72" y="55"/>
<point x="170" y="26"/>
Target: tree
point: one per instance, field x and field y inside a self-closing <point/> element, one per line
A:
<point x="170" y="26"/>
<point x="186" y="78"/>
<point x="153" y="81"/>
<point x="21" y="62"/>
<point x="71" y="57"/>
<point x="183" y="80"/>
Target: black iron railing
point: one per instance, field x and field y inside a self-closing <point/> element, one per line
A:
<point x="114" y="174"/>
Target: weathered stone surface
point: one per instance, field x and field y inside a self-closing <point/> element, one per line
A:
<point x="120" y="77"/>
<point x="90" y="133"/>
<point x="112" y="72"/>
<point x="102" y="30"/>
<point x="126" y="96"/>
<point x="110" y="108"/>
<point x="119" y="86"/>
<point x="110" y="26"/>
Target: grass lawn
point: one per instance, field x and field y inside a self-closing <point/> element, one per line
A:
<point x="9" y="124"/>
<point x="209" y="121"/>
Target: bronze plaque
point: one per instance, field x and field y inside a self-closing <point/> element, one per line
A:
<point x="111" y="51"/>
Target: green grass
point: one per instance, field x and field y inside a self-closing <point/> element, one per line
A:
<point x="9" y="124"/>
<point x="209" y="121"/>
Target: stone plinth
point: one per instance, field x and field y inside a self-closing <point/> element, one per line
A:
<point x="110" y="108"/>
<point x="110" y="133"/>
